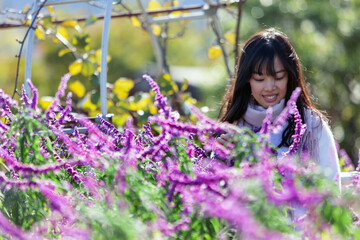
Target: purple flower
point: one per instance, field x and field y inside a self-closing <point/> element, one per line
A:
<point x="16" y="183"/>
<point x="60" y="93"/>
<point x="111" y="128"/>
<point x="232" y="210"/>
<point x="283" y="116"/>
<point x="97" y="137"/>
<point x="6" y="102"/>
<point x="61" y="90"/>
<point x="267" y="121"/>
<point x="160" y="100"/>
<point x="24" y="97"/>
<point x="29" y="169"/>
<point x="35" y="93"/>
<point x="3" y="126"/>
<point x="65" y="113"/>
<point x="11" y="230"/>
<point x="148" y="130"/>
<point x="74" y="233"/>
<point x="299" y="130"/>
<point x="58" y="202"/>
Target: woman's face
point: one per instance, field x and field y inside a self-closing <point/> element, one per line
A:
<point x="269" y="90"/>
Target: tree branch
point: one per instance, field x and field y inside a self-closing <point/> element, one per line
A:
<point x="22" y="45"/>
<point x="238" y="23"/>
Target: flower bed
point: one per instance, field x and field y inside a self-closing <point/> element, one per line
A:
<point x="169" y="179"/>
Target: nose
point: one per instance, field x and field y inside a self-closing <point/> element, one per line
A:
<point x="270" y="84"/>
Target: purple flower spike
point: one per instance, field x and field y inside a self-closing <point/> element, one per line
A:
<point x="3" y="127"/>
<point x="61" y="90"/>
<point x="58" y="202"/>
<point x="16" y="183"/>
<point x="299" y="130"/>
<point x="6" y="102"/>
<point x="35" y="94"/>
<point x="60" y="93"/>
<point x="65" y="114"/>
<point x="281" y="119"/>
<point x="111" y="129"/>
<point x="148" y="130"/>
<point x="267" y="122"/>
<point x="160" y="100"/>
<point x="11" y="230"/>
<point x="24" y="97"/>
<point x="74" y="233"/>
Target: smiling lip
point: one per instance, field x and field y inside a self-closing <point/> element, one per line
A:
<point x="270" y="98"/>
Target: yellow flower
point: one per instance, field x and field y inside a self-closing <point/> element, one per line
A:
<point x="230" y="37"/>
<point x="135" y="21"/>
<point x="88" y="106"/>
<point x="156" y="29"/>
<point x="214" y="52"/>
<point x="75" y="67"/>
<point x="44" y="102"/>
<point x="120" y="120"/>
<point x="77" y="88"/>
<point x="122" y="87"/>
<point x="154" y="5"/>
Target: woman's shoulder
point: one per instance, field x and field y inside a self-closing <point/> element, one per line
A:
<point x="314" y="119"/>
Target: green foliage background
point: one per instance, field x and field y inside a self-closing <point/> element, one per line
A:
<point x="325" y="34"/>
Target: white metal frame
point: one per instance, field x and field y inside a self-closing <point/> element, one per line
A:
<point x="206" y="12"/>
<point x="104" y="48"/>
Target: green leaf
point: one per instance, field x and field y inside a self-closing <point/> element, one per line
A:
<point x="95" y="97"/>
<point x="185" y="85"/>
<point x="87" y="68"/>
<point x="81" y="41"/>
<point x="95" y="81"/>
<point x="215" y="223"/>
<point x="47" y="21"/>
<point x="90" y="20"/>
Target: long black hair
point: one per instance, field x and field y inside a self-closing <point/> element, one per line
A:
<point x="259" y="53"/>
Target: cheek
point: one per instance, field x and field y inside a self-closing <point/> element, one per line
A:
<point x="283" y="87"/>
<point x="255" y="87"/>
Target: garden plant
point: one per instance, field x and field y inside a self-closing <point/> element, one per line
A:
<point x="168" y="179"/>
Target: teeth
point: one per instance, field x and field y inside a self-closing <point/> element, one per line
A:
<point x="270" y="97"/>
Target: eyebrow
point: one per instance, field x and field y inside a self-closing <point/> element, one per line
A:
<point x="280" y="71"/>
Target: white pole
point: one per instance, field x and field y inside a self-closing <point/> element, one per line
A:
<point x="29" y="49"/>
<point x="104" y="53"/>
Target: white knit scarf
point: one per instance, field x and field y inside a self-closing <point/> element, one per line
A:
<point x="255" y="114"/>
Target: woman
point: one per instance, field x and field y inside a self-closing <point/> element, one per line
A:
<point x="268" y="72"/>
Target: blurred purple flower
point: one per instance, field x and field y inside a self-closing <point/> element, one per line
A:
<point x="12" y="231"/>
<point x="160" y="100"/>
<point x="58" y="202"/>
<point x="35" y="95"/>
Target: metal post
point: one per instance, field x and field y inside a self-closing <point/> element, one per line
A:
<point x="29" y="49"/>
<point x="59" y="2"/>
<point x="104" y="53"/>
